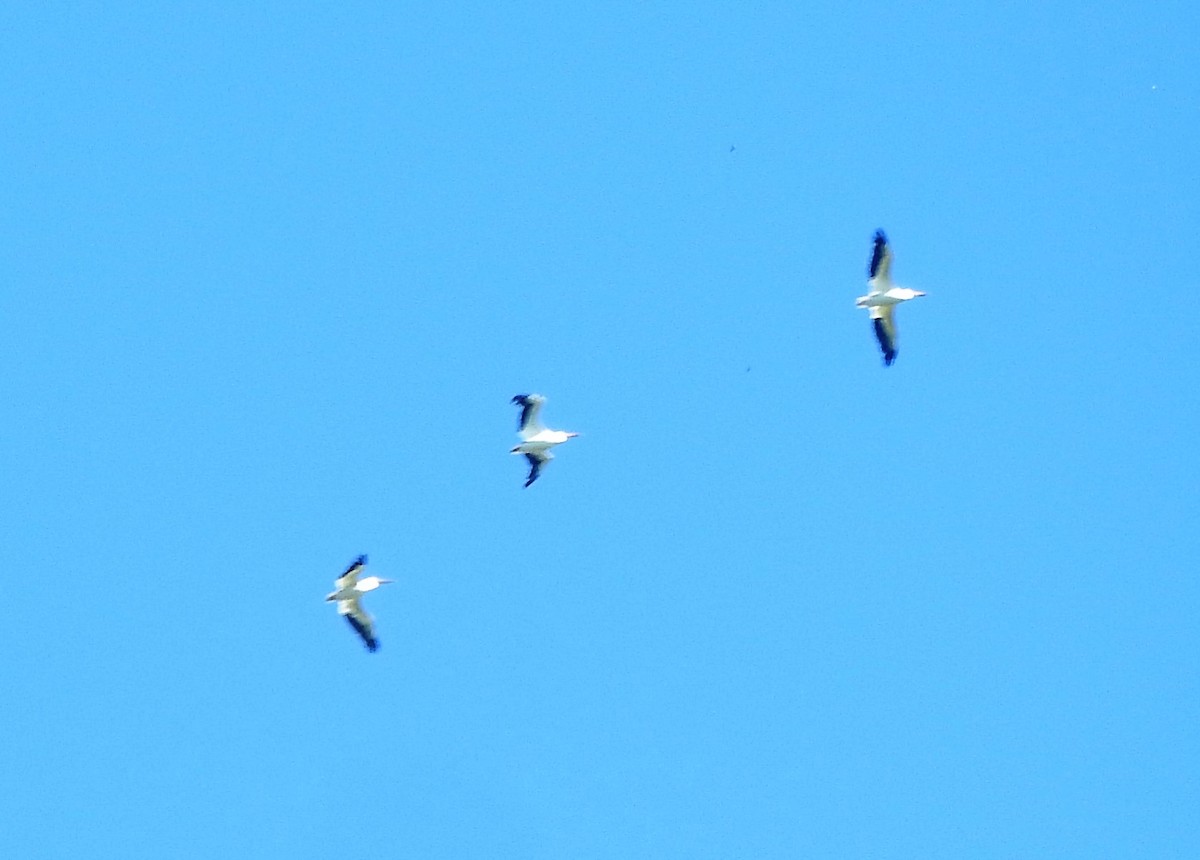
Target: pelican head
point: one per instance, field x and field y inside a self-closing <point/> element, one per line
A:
<point x="912" y="294"/>
<point x="371" y="583"/>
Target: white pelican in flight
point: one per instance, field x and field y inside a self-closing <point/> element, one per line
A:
<point x="536" y="440"/>
<point x="883" y="296"/>
<point x="349" y="589"/>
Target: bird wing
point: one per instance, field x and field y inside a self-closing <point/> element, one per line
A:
<point x="350" y="577"/>
<point x="362" y="623"/>
<point x="879" y="268"/>
<point x="531" y="407"/>
<point x="536" y="461"/>
<point x="884" y="323"/>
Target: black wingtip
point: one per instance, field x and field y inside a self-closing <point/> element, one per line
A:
<point x="876" y="253"/>
<point x="520" y="399"/>
<point x="369" y="641"/>
<point x="886" y="344"/>
<point x="535" y="469"/>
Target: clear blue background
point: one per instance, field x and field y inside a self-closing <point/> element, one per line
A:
<point x="271" y="273"/>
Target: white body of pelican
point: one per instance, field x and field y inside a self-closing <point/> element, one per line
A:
<point x="349" y="588"/>
<point x="883" y="296"/>
<point x="536" y="440"/>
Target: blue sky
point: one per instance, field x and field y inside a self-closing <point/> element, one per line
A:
<point x="271" y="275"/>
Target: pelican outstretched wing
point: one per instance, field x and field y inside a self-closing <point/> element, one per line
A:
<point x="879" y="269"/>
<point x="350" y="577"/>
<point x="362" y="623"/>
<point x="884" y="322"/>
<point x="536" y="461"/>
<point x="531" y="406"/>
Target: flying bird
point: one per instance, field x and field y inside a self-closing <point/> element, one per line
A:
<point x="349" y="589"/>
<point x="536" y="440"/>
<point x="883" y="296"/>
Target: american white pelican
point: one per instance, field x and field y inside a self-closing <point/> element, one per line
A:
<point x="883" y="296"/>
<point x="536" y="440"/>
<point x="349" y="589"/>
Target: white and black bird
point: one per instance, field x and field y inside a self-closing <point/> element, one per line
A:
<point x="350" y="587"/>
<point x="536" y="440"/>
<point x="883" y="296"/>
